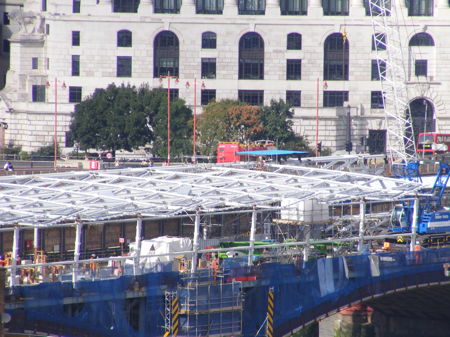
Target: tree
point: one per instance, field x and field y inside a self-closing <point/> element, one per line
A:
<point x="277" y="126"/>
<point x="213" y="125"/>
<point x="180" y="130"/>
<point x="113" y="118"/>
<point x="244" y="122"/>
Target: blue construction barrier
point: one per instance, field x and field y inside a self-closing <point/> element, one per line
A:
<point x="302" y="293"/>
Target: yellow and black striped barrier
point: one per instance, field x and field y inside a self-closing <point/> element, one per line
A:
<point x="175" y="313"/>
<point x="270" y="311"/>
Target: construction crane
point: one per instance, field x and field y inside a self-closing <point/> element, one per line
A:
<point x="429" y="216"/>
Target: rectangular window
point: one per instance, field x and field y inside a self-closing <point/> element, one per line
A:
<point x="75" y="38"/>
<point x="75" y="94"/>
<point x="251" y="7"/>
<point x="47" y="29"/>
<point x="167" y="6"/>
<point x="252" y="97"/>
<point x="6" y="46"/>
<point x="293" y="97"/>
<point x="208" y="95"/>
<point x="76" y="6"/>
<point x="334" y="98"/>
<point x="44" y="5"/>
<point x="48" y="63"/>
<point x="421" y="68"/>
<point x="251" y="69"/>
<point x="335" y="7"/>
<point x="209" y="6"/>
<point x="69" y="142"/>
<point x="38" y="93"/>
<point x="420" y="7"/>
<point x="379" y="41"/>
<point x="5" y="18"/>
<point x="378" y="70"/>
<point x="166" y="65"/>
<point x="294" y="69"/>
<point x="294" y="7"/>
<point x="34" y="63"/>
<point x="208" y="68"/>
<point x="75" y="65"/>
<point x="376" y="100"/>
<point x="124" y="66"/>
<point x="125" y="6"/>
<point x="376" y="7"/>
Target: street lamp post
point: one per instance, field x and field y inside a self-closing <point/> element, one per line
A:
<point x="55" y="120"/>
<point x="194" y="140"/>
<point x="168" y="76"/>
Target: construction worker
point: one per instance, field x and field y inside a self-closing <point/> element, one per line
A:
<point x="93" y="266"/>
<point x="215" y="266"/>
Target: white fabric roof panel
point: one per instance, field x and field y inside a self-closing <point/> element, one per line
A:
<point x="57" y="198"/>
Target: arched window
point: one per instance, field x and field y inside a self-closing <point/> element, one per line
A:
<point x="124" y="38"/>
<point x="209" y="40"/>
<point x="209" y="6"/>
<point x="421" y="40"/>
<point x="336" y="62"/>
<point x="166" y="52"/>
<point x="125" y="6"/>
<point x="294" y="41"/>
<point x="251" y="57"/>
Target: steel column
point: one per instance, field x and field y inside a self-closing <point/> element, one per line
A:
<point x="77" y="249"/>
<point x="414" y="224"/>
<point x="15" y="255"/>
<point x="252" y="238"/>
<point x="362" y="213"/>
<point x="195" y="243"/>
<point x="137" y="258"/>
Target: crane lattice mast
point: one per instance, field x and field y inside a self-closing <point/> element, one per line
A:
<point x="393" y="76"/>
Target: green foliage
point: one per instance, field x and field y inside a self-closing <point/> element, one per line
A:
<point x="24" y="155"/>
<point x="115" y="118"/>
<point x="11" y="150"/>
<point x="45" y="153"/>
<point x="229" y="120"/>
<point x="180" y="130"/>
<point x="213" y="125"/>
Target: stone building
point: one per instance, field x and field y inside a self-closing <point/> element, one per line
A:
<point x="319" y="56"/>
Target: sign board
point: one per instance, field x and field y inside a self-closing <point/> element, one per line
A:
<point x="121" y="240"/>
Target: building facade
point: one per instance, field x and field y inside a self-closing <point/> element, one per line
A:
<point x="318" y="56"/>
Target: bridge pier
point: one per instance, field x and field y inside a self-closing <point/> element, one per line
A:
<point x="355" y="321"/>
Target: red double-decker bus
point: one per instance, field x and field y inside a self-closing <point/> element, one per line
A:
<point x="433" y="142"/>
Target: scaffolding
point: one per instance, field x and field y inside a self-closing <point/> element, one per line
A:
<point x="210" y="305"/>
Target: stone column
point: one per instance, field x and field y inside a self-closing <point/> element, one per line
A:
<point x="273" y="8"/>
<point x="105" y="7"/>
<point x="187" y="7"/>
<point x="315" y="8"/>
<point x="230" y="7"/>
<point x="145" y="8"/>
<point x="357" y="8"/>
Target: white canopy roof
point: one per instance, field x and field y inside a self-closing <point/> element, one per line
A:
<point x="63" y="198"/>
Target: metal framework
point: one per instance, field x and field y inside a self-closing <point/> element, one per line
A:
<point x="388" y="46"/>
<point x="93" y="196"/>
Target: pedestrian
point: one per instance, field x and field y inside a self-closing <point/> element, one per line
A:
<point x="8" y="166"/>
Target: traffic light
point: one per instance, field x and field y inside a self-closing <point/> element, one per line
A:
<point x="319" y="147"/>
<point x="348" y="146"/>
